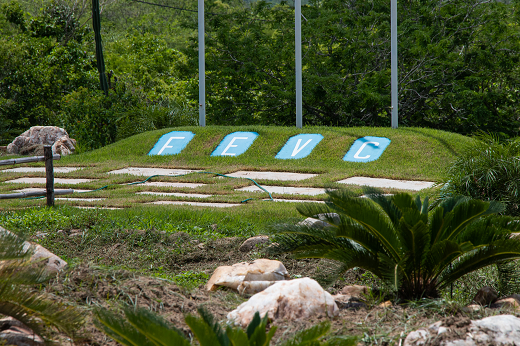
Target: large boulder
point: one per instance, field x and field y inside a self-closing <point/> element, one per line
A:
<point x="494" y="330"/>
<point x="31" y="142"/>
<point x="291" y="300"/>
<point x="264" y="270"/>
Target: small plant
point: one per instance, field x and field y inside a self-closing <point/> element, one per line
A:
<point x="414" y="250"/>
<point x="141" y="327"/>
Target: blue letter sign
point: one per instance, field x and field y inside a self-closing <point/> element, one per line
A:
<point x="299" y="146"/>
<point x="366" y="149"/>
<point x="235" y="144"/>
<point x="172" y="143"/>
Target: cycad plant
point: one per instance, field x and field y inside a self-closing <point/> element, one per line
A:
<point x="140" y="327"/>
<point x="416" y="251"/>
<point x="18" y="300"/>
<point x="488" y="169"/>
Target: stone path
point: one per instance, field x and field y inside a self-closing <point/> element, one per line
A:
<point x="256" y="175"/>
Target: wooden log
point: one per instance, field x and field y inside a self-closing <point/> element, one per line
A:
<point x="49" y="174"/>
<point x="26" y="160"/>
<point x="35" y="194"/>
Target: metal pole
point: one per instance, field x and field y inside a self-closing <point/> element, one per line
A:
<point x="298" y="60"/>
<point x="202" y="66"/>
<point x="394" y="80"/>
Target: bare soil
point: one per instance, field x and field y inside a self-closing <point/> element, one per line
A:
<point x="91" y="284"/>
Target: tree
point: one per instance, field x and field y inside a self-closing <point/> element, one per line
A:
<point x="416" y="251"/>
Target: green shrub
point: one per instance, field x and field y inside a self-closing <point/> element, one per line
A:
<point x="488" y="169"/>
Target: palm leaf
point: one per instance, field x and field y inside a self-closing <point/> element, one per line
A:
<point x="155" y="328"/>
<point x="202" y="331"/>
<point x="309" y="336"/>
<point x="119" y="329"/>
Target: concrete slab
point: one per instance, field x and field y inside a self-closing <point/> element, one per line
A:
<point x="31" y="189"/>
<point x="43" y="181"/>
<point x="144" y="171"/>
<point x="282" y="176"/>
<point x="174" y="194"/>
<point x="414" y="185"/>
<point x="40" y="169"/>
<point x="166" y="184"/>
<point x="197" y="204"/>
<point x="93" y="207"/>
<point x="294" y="200"/>
<point x="80" y="199"/>
<point x="309" y="191"/>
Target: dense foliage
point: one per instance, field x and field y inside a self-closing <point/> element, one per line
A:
<point x="49" y="77"/>
<point x="457" y="64"/>
<point x="416" y="251"/>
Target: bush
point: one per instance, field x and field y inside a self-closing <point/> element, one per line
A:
<point x="488" y="169"/>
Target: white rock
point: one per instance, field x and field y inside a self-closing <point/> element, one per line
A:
<point x="258" y="270"/>
<point x="495" y="330"/>
<point x="321" y="220"/>
<point x="41" y="256"/>
<point x="291" y="300"/>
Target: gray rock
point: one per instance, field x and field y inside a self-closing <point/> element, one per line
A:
<point x="13" y="332"/>
<point x="495" y="330"/>
<point x="252" y="242"/>
<point x="321" y="220"/>
<point x="31" y="142"/>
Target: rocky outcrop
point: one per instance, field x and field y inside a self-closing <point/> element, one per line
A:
<point x="239" y="277"/>
<point x="291" y="300"/>
<point x="31" y="142"/>
<point x="495" y="330"/>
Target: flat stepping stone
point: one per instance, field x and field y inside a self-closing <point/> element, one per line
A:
<point x="310" y="191"/>
<point x="93" y="207"/>
<point x="44" y="181"/>
<point x="293" y="200"/>
<point x="32" y="189"/>
<point x="282" y="176"/>
<point x="174" y="194"/>
<point x="80" y="199"/>
<point x="165" y="184"/>
<point x="41" y="169"/>
<point x="143" y="171"/>
<point x="414" y="185"/>
<point x="198" y="204"/>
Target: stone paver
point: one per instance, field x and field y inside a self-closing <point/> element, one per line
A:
<point x="40" y="169"/>
<point x="282" y="176"/>
<point x="293" y="200"/>
<point x="80" y="199"/>
<point x="31" y="189"/>
<point x="174" y="194"/>
<point x="166" y="184"/>
<point x="198" y="204"/>
<point x="388" y="183"/>
<point x="43" y="181"/>
<point x="310" y="191"/>
<point x="94" y="207"/>
<point x="143" y="171"/>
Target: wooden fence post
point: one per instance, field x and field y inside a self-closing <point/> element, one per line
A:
<point x="49" y="174"/>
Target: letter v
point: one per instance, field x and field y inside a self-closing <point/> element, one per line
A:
<point x="296" y="149"/>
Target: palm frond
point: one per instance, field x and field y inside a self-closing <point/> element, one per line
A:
<point x="154" y="327"/>
<point x="309" y="336"/>
<point x="119" y="329"/>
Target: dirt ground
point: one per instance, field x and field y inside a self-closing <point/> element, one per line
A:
<point x="88" y="284"/>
